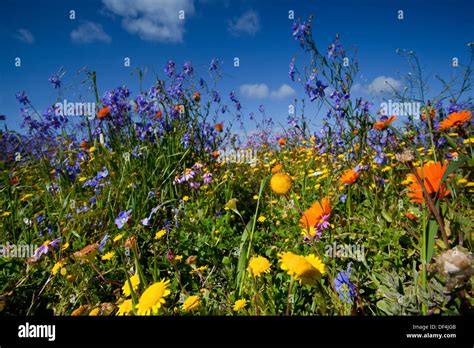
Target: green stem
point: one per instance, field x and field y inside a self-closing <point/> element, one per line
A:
<point x="423" y="261"/>
<point x="255" y="296"/>
<point x="348" y="205"/>
<point x="290" y="289"/>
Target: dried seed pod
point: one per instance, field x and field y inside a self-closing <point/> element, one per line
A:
<point x="456" y="266"/>
<point x="191" y="259"/>
<point x="81" y="310"/>
<point x="131" y="242"/>
<point x="87" y="253"/>
<point x="405" y="156"/>
<point x="107" y="308"/>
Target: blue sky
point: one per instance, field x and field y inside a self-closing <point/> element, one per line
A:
<point x="257" y="32"/>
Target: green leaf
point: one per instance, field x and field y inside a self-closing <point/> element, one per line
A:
<point x="450" y="140"/>
<point x="471" y="162"/>
<point x="387" y="216"/>
<point x="432" y="229"/>
<point x="248" y="233"/>
<point x="384" y="307"/>
<point x="242" y="263"/>
<point x="454" y="165"/>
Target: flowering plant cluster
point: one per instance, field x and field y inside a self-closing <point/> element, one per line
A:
<point x="136" y="215"/>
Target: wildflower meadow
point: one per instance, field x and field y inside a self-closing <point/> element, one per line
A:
<point x="158" y="201"/>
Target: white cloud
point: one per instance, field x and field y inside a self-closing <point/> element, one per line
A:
<point x="248" y="23"/>
<point x="283" y="92"/>
<point x="384" y="84"/>
<point x="225" y="3"/>
<point x="24" y="35"/>
<point x="261" y="91"/>
<point x="152" y="20"/>
<point x="89" y="32"/>
<point x="358" y="88"/>
<point x="381" y="84"/>
<point x="258" y="90"/>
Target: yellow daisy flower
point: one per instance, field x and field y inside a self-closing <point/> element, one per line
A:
<point x="307" y="270"/>
<point x="191" y="304"/>
<point x="26" y="196"/>
<point x="239" y="305"/>
<point x="258" y="265"/>
<point x="125" y="308"/>
<point x="316" y="263"/>
<point x="153" y="298"/>
<point x="280" y="183"/>
<point x="160" y="234"/>
<point x="57" y="266"/>
<point x="95" y="312"/>
<point x="108" y="256"/>
<point x="135" y="280"/>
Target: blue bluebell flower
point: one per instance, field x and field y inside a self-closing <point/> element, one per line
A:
<point x="216" y="97"/>
<point x="235" y="101"/>
<point x="343" y="285"/>
<point x="214" y="65"/>
<point x="170" y="68"/>
<point x="123" y="218"/>
<point x="22" y="98"/>
<point x="291" y="72"/>
<point x="102" y="243"/>
<point x="55" y="81"/>
<point x="301" y="32"/>
<point x="188" y="68"/>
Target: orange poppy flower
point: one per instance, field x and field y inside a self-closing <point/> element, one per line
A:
<point x="219" y="127"/>
<point x="384" y="122"/>
<point x="197" y="96"/>
<point x="179" y="108"/>
<point x="14" y="181"/>
<point x="312" y="216"/>
<point x="349" y="177"/>
<point x="281" y="141"/>
<point x="455" y="120"/>
<point x="84" y="145"/>
<point x="216" y="154"/>
<point x="103" y="113"/>
<point x="431" y="175"/>
<point x="428" y="112"/>
<point x="411" y="216"/>
<point x="277" y="168"/>
<point x="158" y="115"/>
